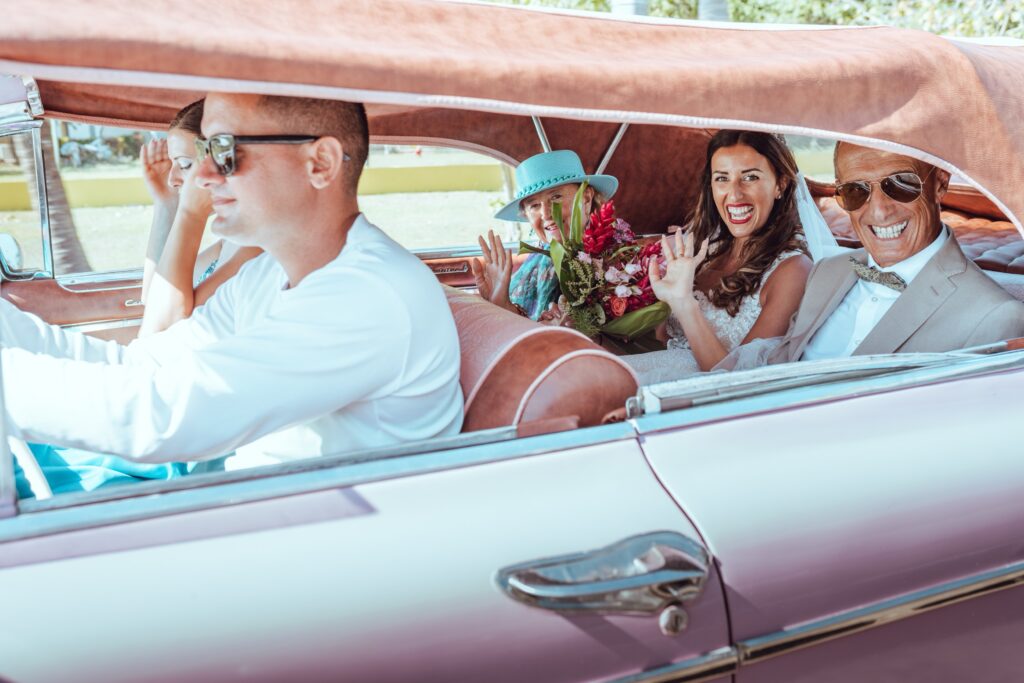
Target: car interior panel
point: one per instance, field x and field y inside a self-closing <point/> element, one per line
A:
<point x="61" y="304"/>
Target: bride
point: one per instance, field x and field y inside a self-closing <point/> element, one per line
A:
<point x="747" y="277"/>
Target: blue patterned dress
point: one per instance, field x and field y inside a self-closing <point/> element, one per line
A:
<point x="534" y="287"/>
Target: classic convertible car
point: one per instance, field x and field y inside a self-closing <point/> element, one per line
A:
<point x="850" y="520"/>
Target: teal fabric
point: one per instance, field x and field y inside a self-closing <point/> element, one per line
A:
<point x="534" y="287"/>
<point x="207" y="273"/>
<point x="551" y="169"/>
<point x="70" y="470"/>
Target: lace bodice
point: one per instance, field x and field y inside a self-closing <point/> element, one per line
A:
<point x="729" y="330"/>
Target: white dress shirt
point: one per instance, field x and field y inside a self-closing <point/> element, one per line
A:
<point x="362" y="353"/>
<point x="863" y="306"/>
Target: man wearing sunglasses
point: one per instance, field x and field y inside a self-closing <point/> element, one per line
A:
<point x="910" y="288"/>
<point x="335" y="339"/>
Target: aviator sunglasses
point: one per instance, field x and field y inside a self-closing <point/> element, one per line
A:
<point x="901" y="187"/>
<point x="221" y="147"/>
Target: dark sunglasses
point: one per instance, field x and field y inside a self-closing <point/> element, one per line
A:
<point x="221" y="147"/>
<point x="901" y="187"/>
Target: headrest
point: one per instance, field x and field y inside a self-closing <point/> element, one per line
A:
<point x="515" y="370"/>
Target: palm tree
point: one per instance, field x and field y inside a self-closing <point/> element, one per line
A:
<point x="68" y="254"/>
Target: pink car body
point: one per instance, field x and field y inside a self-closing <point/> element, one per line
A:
<point x="856" y="522"/>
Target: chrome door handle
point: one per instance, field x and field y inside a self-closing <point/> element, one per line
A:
<point x="641" y="575"/>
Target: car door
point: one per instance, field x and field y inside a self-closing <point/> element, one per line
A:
<point x="390" y="567"/>
<point x="869" y="531"/>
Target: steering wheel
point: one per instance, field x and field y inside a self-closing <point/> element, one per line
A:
<point x="30" y="466"/>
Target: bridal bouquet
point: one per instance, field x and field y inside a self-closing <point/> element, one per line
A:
<point x="602" y="272"/>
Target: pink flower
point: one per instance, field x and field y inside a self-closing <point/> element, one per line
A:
<point x="618" y="305"/>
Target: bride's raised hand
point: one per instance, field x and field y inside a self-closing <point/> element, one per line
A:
<point x="493" y="271"/>
<point x="675" y="285"/>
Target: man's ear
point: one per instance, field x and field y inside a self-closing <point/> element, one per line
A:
<point x="326" y="161"/>
<point x="941" y="183"/>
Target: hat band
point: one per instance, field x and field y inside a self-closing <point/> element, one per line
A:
<point x="540" y="185"/>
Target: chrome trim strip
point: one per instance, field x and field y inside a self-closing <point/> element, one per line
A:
<point x="800" y="396"/>
<point x="72" y="512"/>
<point x="611" y="149"/>
<point x="14" y="114"/>
<point x="44" y="205"/>
<point x="8" y="485"/>
<point x="457" y="252"/>
<point x="35" y="102"/>
<point x="101" y="277"/>
<point x="730" y="660"/>
<point x="721" y="662"/>
<point x="541" y="133"/>
<point x="884" y="612"/>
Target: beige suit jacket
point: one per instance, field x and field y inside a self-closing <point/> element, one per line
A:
<point x="950" y="305"/>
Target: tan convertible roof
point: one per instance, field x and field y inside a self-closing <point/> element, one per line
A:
<point x="470" y="72"/>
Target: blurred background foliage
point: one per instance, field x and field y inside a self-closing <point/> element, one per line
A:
<point x="947" y="17"/>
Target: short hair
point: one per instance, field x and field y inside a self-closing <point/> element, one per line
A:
<point x="345" y="121"/>
<point x="189" y="119"/>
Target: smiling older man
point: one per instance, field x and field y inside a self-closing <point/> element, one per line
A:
<point x="911" y="288"/>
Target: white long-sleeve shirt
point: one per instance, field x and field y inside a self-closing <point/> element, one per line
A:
<point x="362" y="353"/>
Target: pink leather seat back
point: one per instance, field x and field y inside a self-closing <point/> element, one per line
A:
<point x="516" y="371"/>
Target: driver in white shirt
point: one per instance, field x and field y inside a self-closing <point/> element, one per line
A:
<point x="336" y="338"/>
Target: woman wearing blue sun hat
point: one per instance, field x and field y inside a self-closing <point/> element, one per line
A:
<point x="542" y="180"/>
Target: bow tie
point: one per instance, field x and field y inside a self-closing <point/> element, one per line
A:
<point x="872" y="274"/>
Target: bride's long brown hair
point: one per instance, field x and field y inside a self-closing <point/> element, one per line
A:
<point x="781" y="232"/>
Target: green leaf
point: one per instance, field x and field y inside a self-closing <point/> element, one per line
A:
<point x="638" y="322"/>
<point x="576" y="220"/>
<point x="556" y="213"/>
<point x="558" y="255"/>
<point x="622" y="250"/>
<point x="525" y="248"/>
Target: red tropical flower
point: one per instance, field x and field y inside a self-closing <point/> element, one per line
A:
<point x="600" y="231"/>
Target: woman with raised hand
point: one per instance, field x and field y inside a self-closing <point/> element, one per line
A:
<point x="177" y="276"/>
<point x="739" y="271"/>
<point x="542" y="181"/>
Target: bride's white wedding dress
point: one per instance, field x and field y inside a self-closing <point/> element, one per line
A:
<point x="677" y="360"/>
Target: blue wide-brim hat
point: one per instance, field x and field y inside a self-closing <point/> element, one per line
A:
<point x="551" y="169"/>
